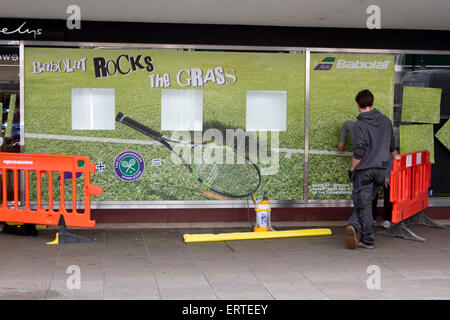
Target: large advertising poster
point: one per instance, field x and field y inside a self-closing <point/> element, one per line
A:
<point x="72" y="97"/>
<point x="335" y="81"/>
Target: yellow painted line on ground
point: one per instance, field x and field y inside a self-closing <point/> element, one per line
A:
<point x="207" y="237"/>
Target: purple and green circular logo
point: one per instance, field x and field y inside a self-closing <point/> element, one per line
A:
<point x="129" y="165"/>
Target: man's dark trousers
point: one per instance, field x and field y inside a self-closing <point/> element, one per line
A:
<point x="366" y="184"/>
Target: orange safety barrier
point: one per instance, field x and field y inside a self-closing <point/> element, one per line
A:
<point x="21" y="166"/>
<point x="410" y="182"/>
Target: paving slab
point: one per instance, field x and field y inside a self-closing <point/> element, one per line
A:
<point x="88" y="290"/>
<point x="126" y="288"/>
<point x="22" y="289"/>
<point x="154" y="263"/>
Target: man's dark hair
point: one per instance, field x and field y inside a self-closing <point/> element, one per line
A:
<point x="364" y="99"/>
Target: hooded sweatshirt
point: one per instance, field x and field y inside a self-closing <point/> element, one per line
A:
<point x="373" y="140"/>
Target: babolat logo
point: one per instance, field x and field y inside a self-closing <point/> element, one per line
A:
<point x="345" y="64"/>
<point x="123" y="65"/>
<point x="65" y="65"/>
<point x="326" y="64"/>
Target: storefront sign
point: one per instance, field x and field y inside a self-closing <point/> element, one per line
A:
<point x="21" y="30"/>
<point x="32" y="29"/>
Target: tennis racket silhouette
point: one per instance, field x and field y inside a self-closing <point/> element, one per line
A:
<point x="239" y="179"/>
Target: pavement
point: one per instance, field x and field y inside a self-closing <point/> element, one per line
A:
<point x="152" y="262"/>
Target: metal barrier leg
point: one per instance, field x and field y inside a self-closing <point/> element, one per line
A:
<point x="422" y="219"/>
<point x="64" y="236"/>
<point x="402" y="231"/>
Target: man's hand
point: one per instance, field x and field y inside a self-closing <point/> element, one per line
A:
<point x="355" y="163"/>
<point x="395" y="155"/>
<point x="386" y="182"/>
<point x="341" y="146"/>
<point x="351" y="175"/>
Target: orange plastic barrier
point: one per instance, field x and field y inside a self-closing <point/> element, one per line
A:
<point x="45" y="168"/>
<point x="410" y="182"/>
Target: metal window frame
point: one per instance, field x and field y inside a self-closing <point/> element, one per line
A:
<point x="206" y="204"/>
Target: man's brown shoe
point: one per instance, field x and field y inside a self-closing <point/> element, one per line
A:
<point x="351" y="237"/>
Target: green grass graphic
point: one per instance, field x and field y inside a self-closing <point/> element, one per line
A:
<point x="421" y="105"/>
<point x="444" y="134"/>
<point x="48" y="111"/>
<point x="332" y="102"/>
<point x="416" y="138"/>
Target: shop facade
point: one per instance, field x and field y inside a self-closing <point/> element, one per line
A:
<point x="282" y="93"/>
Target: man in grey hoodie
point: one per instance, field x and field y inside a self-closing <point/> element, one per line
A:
<point x="373" y="147"/>
<point x="346" y="128"/>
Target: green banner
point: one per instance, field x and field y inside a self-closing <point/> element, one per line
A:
<point x="335" y="81"/>
<point x="73" y="95"/>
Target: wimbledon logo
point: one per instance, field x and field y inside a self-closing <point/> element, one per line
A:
<point x="129" y="165"/>
<point x="328" y="63"/>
